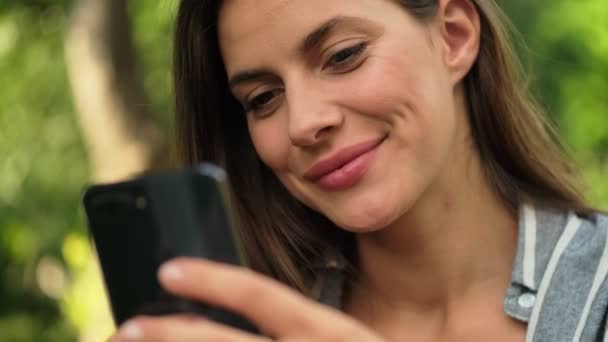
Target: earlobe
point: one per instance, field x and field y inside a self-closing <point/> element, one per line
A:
<point x="460" y="29"/>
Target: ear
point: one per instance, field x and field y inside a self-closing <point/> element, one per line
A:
<point x="460" y="31"/>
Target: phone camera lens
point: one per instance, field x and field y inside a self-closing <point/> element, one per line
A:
<point x="141" y="202"/>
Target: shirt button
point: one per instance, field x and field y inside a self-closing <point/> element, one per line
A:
<point x="526" y="300"/>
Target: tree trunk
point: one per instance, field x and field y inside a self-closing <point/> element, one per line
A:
<point x="121" y="136"/>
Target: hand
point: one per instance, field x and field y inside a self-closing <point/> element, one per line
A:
<point x="273" y="307"/>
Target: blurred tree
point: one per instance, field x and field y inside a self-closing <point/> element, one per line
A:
<point x="50" y="289"/>
<point x="121" y="135"/>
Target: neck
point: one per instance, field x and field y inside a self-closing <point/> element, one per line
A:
<point x="458" y="239"/>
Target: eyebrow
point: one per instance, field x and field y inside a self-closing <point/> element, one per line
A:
<point x="249" y="75"/>
<point x="319" y="34"/>
<point x="311" y="41"/>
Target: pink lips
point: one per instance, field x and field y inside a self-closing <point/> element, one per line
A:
<point x="344" y="168"/>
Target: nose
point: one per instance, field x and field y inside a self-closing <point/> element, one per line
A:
<point x="313" y="116"/>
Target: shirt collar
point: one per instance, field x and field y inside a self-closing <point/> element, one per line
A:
<point x="538" y="232"/>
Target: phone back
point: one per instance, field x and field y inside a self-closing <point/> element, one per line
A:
<point x="139" y="224"/>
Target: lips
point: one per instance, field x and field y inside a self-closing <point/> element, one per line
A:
<point x="345" y="168"/>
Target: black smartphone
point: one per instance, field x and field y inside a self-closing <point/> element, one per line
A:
<point x="138" y="224"/>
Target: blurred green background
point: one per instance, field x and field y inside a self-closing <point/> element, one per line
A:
<point x="49" y="283"/>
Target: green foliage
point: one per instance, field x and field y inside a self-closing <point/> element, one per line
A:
<point x="49" y="284"/>
<point x="44" y="169"/>
<point x="567" y="50"/>
<point x="152" y="29"/>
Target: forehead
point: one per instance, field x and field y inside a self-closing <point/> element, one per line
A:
<point x="246" y="16"/>
<point x="249" y="27"/>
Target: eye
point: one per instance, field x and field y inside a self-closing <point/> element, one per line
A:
<point x="261" y="101"/>
<point x="345" y="57"/>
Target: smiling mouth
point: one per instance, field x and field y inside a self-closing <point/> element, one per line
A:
<point x="344" y="168"/>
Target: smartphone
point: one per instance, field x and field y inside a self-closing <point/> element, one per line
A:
<point x="138" y="224"/>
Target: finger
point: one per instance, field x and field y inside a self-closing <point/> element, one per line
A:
<point x="129" y="330"/>
<point x="175" y="328"/>
<point x="272" y="306"/>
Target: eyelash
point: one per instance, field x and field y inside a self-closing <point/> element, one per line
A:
<point x="352" y="52"/>
<point x="342" y="64"/>
<point x="251" y="105"/>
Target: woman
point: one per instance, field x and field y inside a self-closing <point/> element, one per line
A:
<point x="387" y="162"/>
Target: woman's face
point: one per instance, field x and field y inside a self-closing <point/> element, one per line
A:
<point x="348" y="102"/>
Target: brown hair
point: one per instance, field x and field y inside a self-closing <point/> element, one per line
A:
<point x="519" y="148"/>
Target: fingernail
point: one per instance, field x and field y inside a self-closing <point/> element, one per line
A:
<point x="171" y="272"/>
<point x="131" y="332"/>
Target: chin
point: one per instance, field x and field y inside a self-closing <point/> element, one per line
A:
<point x="364" y="221"/>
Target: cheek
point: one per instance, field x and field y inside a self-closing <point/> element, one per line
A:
<point x="389" y="85"/>
<point x="272" y="148"/>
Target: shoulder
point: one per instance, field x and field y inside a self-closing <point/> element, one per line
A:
<point x="569" y="279"/>
<point x="562" y="237"/>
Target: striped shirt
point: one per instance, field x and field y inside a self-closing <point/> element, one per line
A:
<point x="558" y="283"/>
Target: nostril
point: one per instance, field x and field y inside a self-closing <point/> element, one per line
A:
<point x="323" y="131"/>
